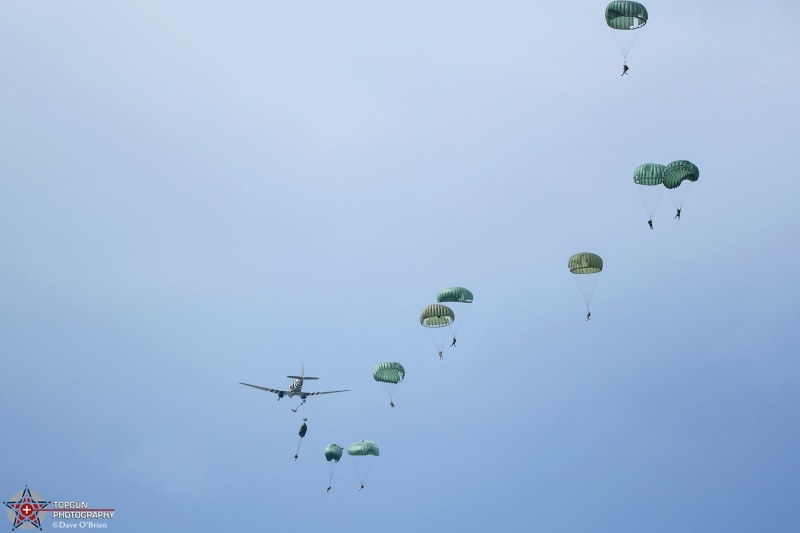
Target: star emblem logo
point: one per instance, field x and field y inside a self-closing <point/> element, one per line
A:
<point x="25" y="507"/>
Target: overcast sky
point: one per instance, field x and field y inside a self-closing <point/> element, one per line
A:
<point x="198" y="193"/>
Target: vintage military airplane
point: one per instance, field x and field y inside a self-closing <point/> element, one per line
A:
<point x="295" y="389"/>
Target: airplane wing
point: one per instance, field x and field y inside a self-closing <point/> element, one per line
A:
<point x="306" y="394"/>
<point x="276" y="391"/>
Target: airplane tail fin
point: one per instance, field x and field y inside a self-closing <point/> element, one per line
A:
<point x="302" y="374"/>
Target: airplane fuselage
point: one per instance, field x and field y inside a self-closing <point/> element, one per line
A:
<point x="295" y="389"/>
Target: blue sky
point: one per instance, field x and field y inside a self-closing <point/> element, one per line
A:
<point x="196" y="194"/>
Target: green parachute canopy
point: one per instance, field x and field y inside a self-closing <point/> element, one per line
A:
<point x="624" y="15"/>
<point x="389" y="373"/>
<point x="333" y="452"/>
<point x="436" y="316"/>
<point x="363" y="448"/>
<point x="647" y="177"/>
<point x="677" y="171"/>
<point x="678" y="179"/>
<point x="586" y="268"/>
<point x="363" y="453"/>
<point x="455" y="294"/>
<point x="649" y="174"/>
<point x="460" y="296"/>
<point x="585" y="263"/>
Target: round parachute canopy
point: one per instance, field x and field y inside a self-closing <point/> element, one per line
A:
<point x="585" y="263"/>
<point x="455" y="294"/>
<point x="436" y="316"/>
<point x="624" y="15"/>
<point x="586" y="268"/>
<point x="333" y="452"/>
<point x="677" y="171"/>
<point x="649" y="174"/>
<point x="364" y="447"/>
<point x="367" y="451"/>
<point x="678" y="179"/>
<point x="389" y="373"/>
<point x="303" y="430"/>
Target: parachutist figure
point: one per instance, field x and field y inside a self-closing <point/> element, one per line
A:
<point x="624" y="69"/>
<point x="295" y="457"/>
<point x="329" y="489"/>
<point x="651" y="223"/>
<point x="362" y="488"/>
<point x="453" y="344"/>
<point x="440" y="355"/>
<point x="588" y="315"/>
<point x="391" y="403"/>
<point x="678" y="214"/>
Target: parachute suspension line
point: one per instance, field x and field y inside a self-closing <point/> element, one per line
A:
<point x="586" y="285"/>
<point x="299" y="406"/>
<point x="651" y="197"/>
<point x="438" y="345"/>
<point x="680" y="194"/>
<point x="430" y="337"/>
<point x="634" y="42"/>
<point x="366" y="469"/>
<point x="356" y="472"/>
<point x="387" y="388"/>
<point x="625" y="42"/>
<point x="461" y="317"/>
